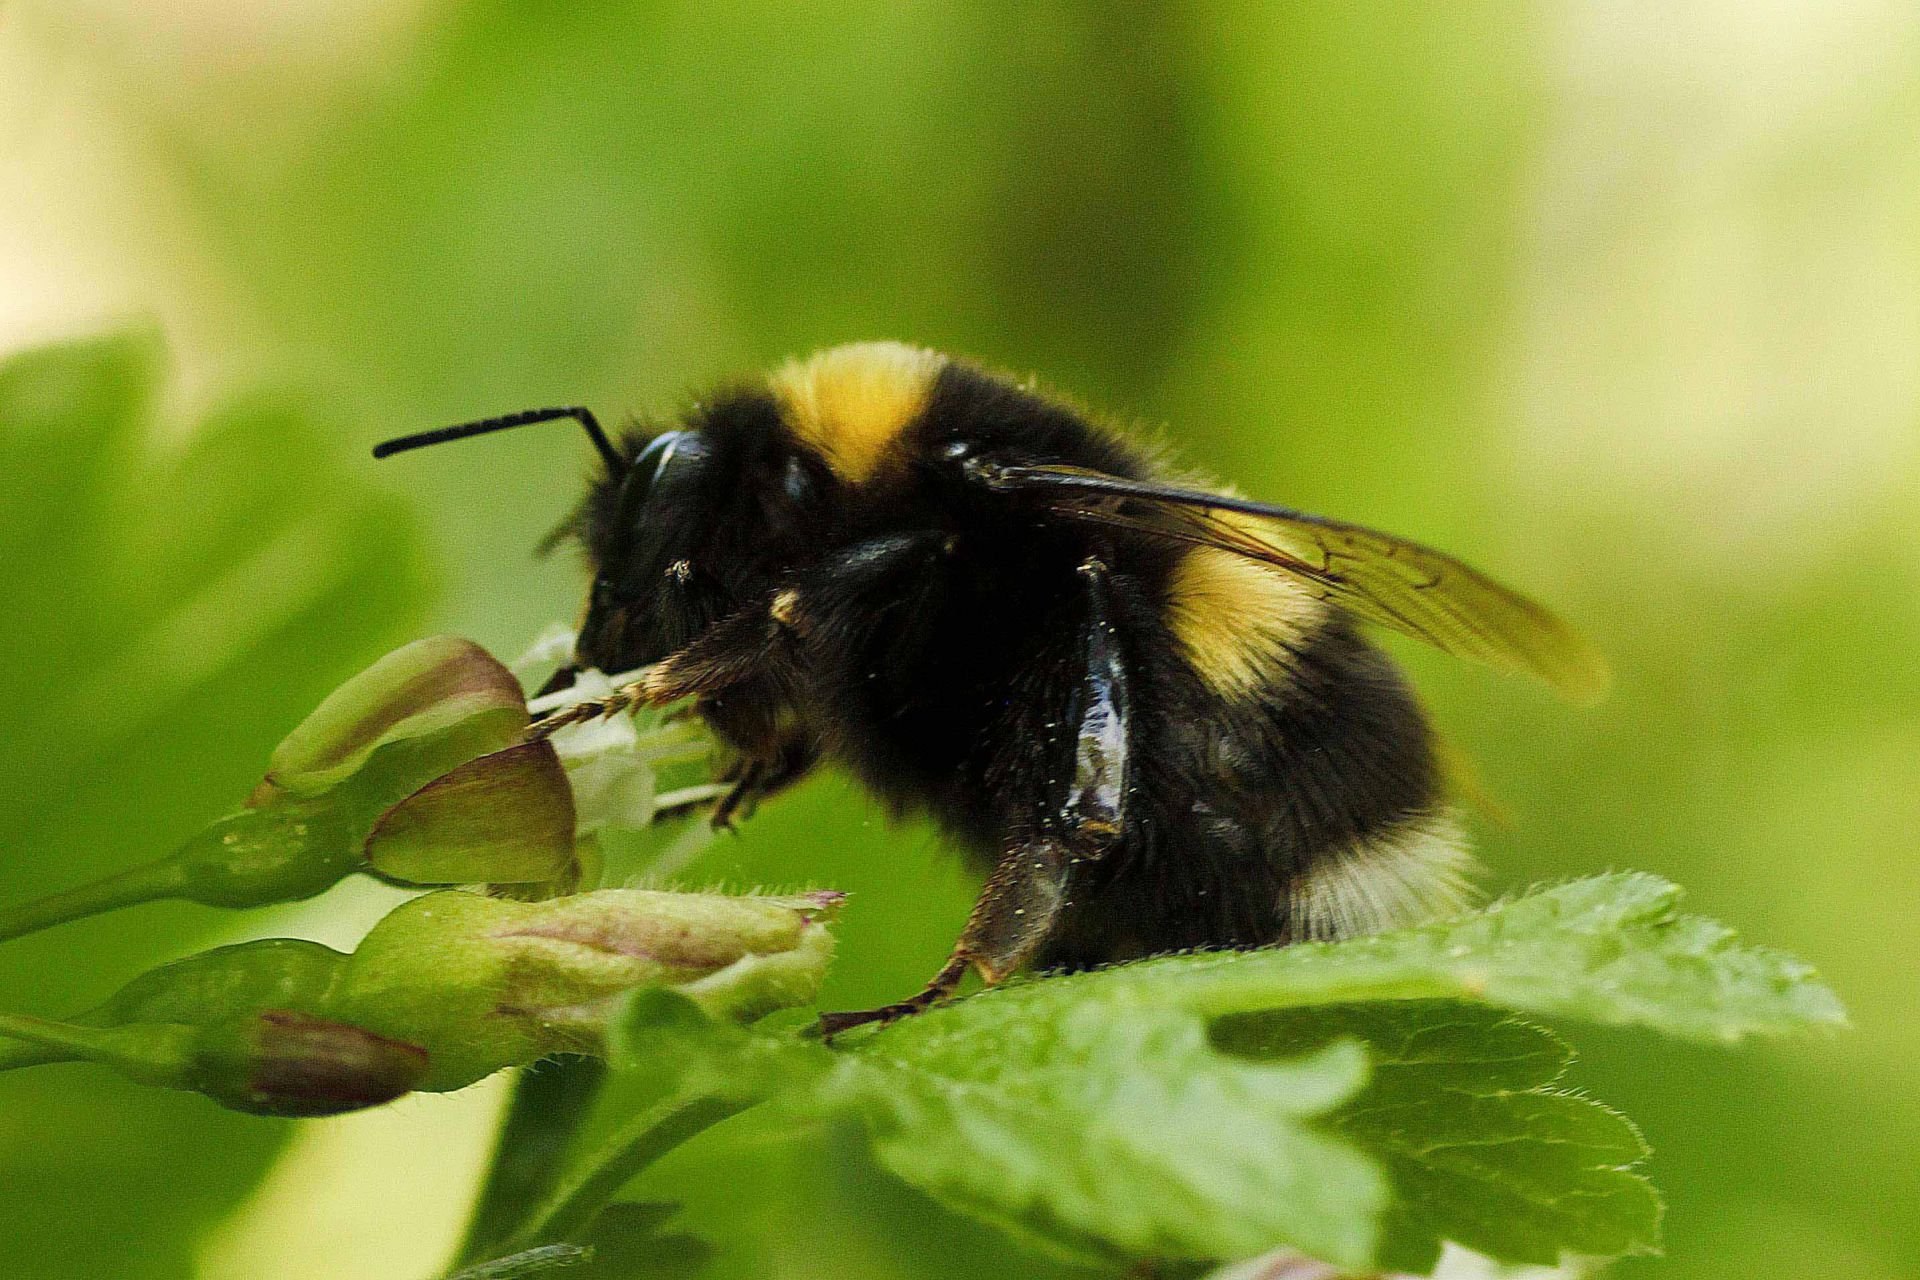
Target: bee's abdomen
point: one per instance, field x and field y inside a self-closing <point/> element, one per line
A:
<point x="1292" y="794"/>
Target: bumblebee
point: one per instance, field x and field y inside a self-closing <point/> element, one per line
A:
<point x="1144" y="706"/>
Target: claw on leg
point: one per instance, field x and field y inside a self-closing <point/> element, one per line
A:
<point x="940" y="988"/>
<point x="740" y="798"/>
<point x="625" y="698"/>
<point x="658" y="685"/>
<point x="1017" y="909"/>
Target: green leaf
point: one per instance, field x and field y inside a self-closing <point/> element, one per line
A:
<point x="1106" y="1126"/>
<point x="528" y="1262"/>
<point x="680" y="1110"/>
<point x="1482" y="1148"/>
<point x="1218" y="1106"/>
<point x="1179" y="1150"/>
<point x="692" y="1068"/>
<point x="677" y="1046"/>
<point x="629" y="1244"/>
<point x="185" y="595"/>
<point x="1610" y="949"/>
<point x="551" y="1103"/>
<point x="1094" y="1113"/>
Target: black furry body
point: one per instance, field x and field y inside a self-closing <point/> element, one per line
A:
<point x="930" y="633"/>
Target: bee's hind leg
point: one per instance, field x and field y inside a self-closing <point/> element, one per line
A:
<point x="1012" y="918"/>
<point x="1023" y="898"/>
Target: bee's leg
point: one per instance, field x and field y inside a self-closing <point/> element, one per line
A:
<point x="1095" y="811"/>
<point x="1022" y="899"/>
<point x="743" y="645"/>
<point x="1011" y="919"/>
<point x="739" y="796"/>
<point x="758" y="779"/>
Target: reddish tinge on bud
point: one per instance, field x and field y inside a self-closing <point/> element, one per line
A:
<point x="281" y="1063"/>
<point x="505" y="818"/>
<point x="486" y="983"/>
<point x="417" y="690"/>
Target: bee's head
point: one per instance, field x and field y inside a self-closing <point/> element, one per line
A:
<point x="695" y="524"/>
<point x="683" y="526"/>
<point x="646" y="529"/>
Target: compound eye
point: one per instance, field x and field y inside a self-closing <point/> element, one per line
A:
<point x="653" y="460"/>
<point x="670" y="451"/>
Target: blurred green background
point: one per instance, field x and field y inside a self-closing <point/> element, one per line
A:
<point x="1619" y="300"/>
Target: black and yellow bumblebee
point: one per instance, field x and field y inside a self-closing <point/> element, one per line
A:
<point x="1143" y="704"/>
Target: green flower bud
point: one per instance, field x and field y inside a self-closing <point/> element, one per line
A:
<point x="420" y="690"/>
<point x="226" y="982"/>
<point x="755" y="986"/>
<point x="413" y="770"/>
<point x="240" y="1024"/>
<point x="270" y="1062"/>
<point x="485" y="983"/>
<point x="214" y="986"/>
<point x="445" y="990"/>
<point x="282" y="1063"/>
<point x="505" y="818"/>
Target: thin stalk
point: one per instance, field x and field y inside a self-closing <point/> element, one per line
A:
<point x="19" y="1053"/>
<point x="149" y="883"/>
<point x="687" y="797"/>
<point x="551" y="1102"/>
<point x="676" y="742"/>
<point x="548" y="1257"/>
<point x="637" y="1144"/>
<point x="64" y="1038"/>
<point x="148" y="1055"/>
<point x="567" y="697"/>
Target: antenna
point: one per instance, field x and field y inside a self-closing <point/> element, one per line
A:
<point x="616" y="464"/>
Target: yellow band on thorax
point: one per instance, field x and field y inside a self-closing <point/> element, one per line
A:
<point x="850" y="403"/>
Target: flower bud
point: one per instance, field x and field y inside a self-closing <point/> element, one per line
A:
<point x="419" y="690"/>
<point x="413" y="770"/>
<point x="270" y="1061"/>
<point x="485" y="983"/>
<point x="757" y="985"/>
<point x="226" y="982"/>
<point x="505" y="818"/>
<point x="282" y="1063"/>
<point x="198" y="991"/>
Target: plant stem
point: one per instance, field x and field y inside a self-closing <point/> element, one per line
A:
<point x="155" y="880"/>
<point x="550" y="1103"/>
<point x="65" y="1040"/>
<point x="147" y="1055"/>
<point x="636" y="1145"/>
<point x="547" y="1257"/>
<point x="20" y="1053"/>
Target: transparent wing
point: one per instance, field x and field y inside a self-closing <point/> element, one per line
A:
<point x="1388" y="580"/>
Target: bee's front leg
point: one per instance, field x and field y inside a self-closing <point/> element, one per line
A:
<point x="743" y="646"/>
<point x="1030" y="885"/>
